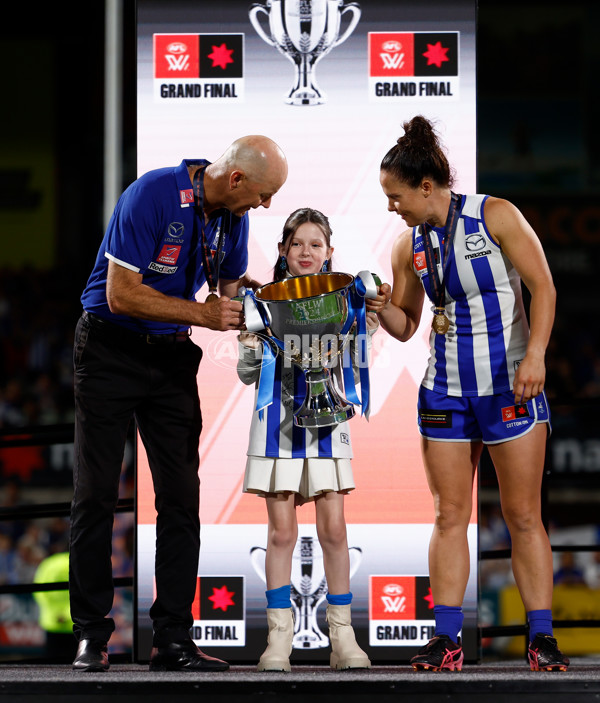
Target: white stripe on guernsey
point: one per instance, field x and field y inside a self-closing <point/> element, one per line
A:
<point x="121" y="263"/>
<point x="468" y="281"/>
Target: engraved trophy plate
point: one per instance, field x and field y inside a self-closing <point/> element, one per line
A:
<point x="304" y="31"/>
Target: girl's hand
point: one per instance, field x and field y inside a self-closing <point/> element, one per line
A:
<point x="249" y="340"/>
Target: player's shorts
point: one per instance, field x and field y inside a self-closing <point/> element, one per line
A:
<point x="488" y="418"/>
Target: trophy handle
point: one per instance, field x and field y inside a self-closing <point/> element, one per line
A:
<point x="255" y="10"/>
<point x="354" y="8"/>
<point x="257" y="315"/>
<point x="369" y="282"/>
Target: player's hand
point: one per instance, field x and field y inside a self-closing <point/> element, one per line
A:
<point x="529" y="378"/>
<point x="378" y="304"/>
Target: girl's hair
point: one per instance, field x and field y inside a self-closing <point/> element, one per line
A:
<point x="417" y="155"/>
<point x="297" y="218"/>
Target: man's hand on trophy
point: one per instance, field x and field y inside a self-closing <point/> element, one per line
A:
<point x="222" y="314"/>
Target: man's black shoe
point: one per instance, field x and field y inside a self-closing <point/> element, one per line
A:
<point x="184" y="656"/>
<point x="92" y="655"/>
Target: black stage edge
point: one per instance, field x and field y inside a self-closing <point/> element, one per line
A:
<point x="492" y="683"/>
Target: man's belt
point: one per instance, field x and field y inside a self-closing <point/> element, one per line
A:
<point x="120" y="333"/>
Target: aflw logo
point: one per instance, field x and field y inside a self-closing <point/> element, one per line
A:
<point x="177" y="63"/>
<point x="176" y="56"/>
<point x="391" y="55"/>
<point x="394" y="605"/>
<point x="397" y="597"/>
<point x="393" y="599"/>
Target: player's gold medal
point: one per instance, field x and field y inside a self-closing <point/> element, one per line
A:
<point x="440" y="322"/>
<point x="210" y="297"/>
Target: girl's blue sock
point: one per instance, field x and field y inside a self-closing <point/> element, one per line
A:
<point x="279" y="597"/>
<point x="448" y="620"/>
<point x="540" y="621"/>
<point x="341" y="599"/>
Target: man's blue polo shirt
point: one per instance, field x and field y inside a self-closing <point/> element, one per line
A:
<point x="150" y="232"/>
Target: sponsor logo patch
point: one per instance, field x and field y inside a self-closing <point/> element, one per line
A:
<point x="169" y="254"/>
<point x="186" y="196"/>
<point x="419" y="261"/>
<point x="435" y="418"/>
<point x="161" y="268"/>
<point x="514" y="412"/>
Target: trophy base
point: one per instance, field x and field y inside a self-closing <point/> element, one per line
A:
<point x="323" y="405"/>
<point x="305" y="96"/>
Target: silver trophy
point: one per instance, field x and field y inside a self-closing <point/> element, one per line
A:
<point x="304" y="31"/>
<point x="310" y="318"/>
<point x="308" y="588"/>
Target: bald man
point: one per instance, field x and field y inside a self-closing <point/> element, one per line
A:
<point x="172" y="230"/>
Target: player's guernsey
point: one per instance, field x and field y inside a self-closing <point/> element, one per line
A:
<point x="276" y="435"/>
<point x="488" y="332"/>
<point x="152" y="232"/>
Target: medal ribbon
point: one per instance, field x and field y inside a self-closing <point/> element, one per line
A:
<point x="439" y="287"/>
<point x="212" y="264"/>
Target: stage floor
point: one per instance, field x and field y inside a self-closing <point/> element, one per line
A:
<point x="492" y="682"/>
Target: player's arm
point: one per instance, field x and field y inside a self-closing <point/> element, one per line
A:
<point x="522" y="246"/>
<point x="399" y="307"/>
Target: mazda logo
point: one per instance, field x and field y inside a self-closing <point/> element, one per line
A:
<point x="175" y="229"/>
<point x="475" y="242"/>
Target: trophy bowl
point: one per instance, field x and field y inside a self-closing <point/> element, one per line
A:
<point x="308" y="315"/>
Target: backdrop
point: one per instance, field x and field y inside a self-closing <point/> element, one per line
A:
<point x="334" y="99"/>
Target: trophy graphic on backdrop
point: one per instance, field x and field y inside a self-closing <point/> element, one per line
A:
<point x="304" y="31"/>
<point x="308" y="319"/>
<point x="309" y="588"/>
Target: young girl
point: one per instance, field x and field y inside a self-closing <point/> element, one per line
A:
<point x="289" y="465"/>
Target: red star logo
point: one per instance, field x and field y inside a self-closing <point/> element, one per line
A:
<point x="221" y="56"/>
<point x="221" y="598"/>
<point x="521" y="410"/>
<point x="436" y="54"/>
<point x="429" y="599"/>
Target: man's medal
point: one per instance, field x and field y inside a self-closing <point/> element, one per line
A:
<point x="440" y="322"/>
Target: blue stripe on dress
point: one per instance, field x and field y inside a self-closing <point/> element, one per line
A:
<point x="493" y="318"/>
<point x="298" y="433"/>
<point x="273" y="413"/>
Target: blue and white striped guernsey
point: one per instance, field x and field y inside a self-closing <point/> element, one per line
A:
<point x="488" y="331"/>
<point x="276" y="435"/>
